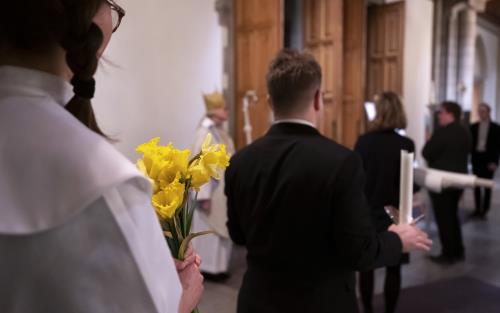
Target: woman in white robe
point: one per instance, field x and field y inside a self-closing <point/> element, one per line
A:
<point x="77" y="230"/>
<point x="211" y="214"/>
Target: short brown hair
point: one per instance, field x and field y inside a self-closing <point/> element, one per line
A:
<point x="292" y="80"/>
<point x="453" y="108"/>
<point x="390" y="112"/>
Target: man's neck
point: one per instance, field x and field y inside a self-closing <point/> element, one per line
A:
<point x="308" y="118"/>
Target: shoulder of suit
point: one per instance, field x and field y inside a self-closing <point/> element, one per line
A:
<point x="323" y="144"/>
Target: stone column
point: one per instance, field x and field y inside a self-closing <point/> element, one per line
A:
<point x="467" y="52"/>
<point x="461" y="51"/>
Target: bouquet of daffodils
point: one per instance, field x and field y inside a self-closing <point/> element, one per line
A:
<point x="176" y="180"/>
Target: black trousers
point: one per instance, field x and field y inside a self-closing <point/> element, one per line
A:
<point x="480" y="168"/>
<point x="445" y="206"/>
<point x="392" y="287"/>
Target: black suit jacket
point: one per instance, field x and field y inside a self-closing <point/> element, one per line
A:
<point x="381" y="154"/>
<point x="295" y="200"/>
<point x="448" y="149"/>
<point x="492" y="142"/>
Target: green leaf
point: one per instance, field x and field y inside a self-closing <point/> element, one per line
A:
<point x="195" y="158"/>
<point x="178" y="229"/>
<point x="168" y="234"/>
<point x="187" y="240"/>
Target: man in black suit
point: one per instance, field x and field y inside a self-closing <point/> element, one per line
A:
<point x="448" y="150"/>
<point x="295" y="200"/>
<point x="485" y="152"/>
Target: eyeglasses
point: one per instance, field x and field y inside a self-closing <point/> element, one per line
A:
<point x="117" y="14"/>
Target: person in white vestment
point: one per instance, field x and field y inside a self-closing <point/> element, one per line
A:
<point x="77" y="230"/>
<point x="211" y="213"/>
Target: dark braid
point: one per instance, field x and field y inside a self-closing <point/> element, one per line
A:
<point x="37" y="26"/>
<point x="81" y="42"/>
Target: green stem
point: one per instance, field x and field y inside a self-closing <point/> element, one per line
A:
<point x="196" y="157"/>
<point x="196" y="310"/>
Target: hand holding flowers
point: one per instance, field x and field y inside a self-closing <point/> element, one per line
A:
<point x="176" y="179"/>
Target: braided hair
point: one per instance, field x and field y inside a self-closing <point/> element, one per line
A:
<point x="35" y="27"/>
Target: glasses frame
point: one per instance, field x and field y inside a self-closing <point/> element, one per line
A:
<point x="118" y="9"/>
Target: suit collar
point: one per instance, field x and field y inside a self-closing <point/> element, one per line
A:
<point x="289" y="128"/>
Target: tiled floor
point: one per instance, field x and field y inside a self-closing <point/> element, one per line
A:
<point x="482" y="242"/>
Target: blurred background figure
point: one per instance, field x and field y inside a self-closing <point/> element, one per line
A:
<point x="448" y="150"/>
<point x="211" y="213"/>
<point x="484" y="156"/>
<point x="380" y="150"/>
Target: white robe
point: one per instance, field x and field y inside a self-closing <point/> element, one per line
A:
<point x="77" y="231"/>
<point x="214" y="249"/>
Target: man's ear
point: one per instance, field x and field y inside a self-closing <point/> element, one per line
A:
<point x="270" y="102"/>
<point x="317" y="100"/>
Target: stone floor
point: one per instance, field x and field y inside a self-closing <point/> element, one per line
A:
<point x="482" y="242"/>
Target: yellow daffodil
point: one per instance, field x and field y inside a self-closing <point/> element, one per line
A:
<point x="176" y="161"/>
<point x="170" y="172"/>
<point x="169" y="199"/>
<point x="199" y="175"/>
<point x="162" y="163"/>
<point x="142" y="168"/>
<point x="210" y="163"/>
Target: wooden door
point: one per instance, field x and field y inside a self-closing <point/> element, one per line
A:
<point x="323" y="38"/>
<point x="385" y="49"/>
<point x="354" y="70"/>
<point x="259" y="37"/>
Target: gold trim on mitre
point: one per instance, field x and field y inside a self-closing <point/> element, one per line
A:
<point x="214" y="101"/>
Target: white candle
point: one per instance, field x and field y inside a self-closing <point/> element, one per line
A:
<point x="406" y="188"/>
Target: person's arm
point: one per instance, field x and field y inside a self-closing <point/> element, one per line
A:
<point x="233" y="225"/>
<point x="411" y="149"/>
<point x="433" y="148"/>
<point x="354" y="237"/>
<point x="468" y="138"/>
<point x="472" y="131"/>
<point x="495" y="147"/>
<point x="192" y="284"/>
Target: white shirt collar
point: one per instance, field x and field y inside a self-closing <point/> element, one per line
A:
<point x="207" y="122"/>
<point x="294" y="121"/>
<point x="32" y="82"/>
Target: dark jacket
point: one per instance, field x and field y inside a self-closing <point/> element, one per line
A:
<point x="381" y="155"/>
<point x="492" y="142"/>
<point x="295" y="200"/>
<point x="448" y="148"/>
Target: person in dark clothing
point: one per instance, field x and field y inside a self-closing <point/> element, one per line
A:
<point x="380" y="150"/>
<point x="448" y="150"/>
<point x="484" y="156"/>
<point x="295" y="200"/>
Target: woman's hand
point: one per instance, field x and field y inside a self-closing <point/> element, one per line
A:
<point x="190" y="258"/>
<point x="411" y="237"/>
<point x="192" y="288"/>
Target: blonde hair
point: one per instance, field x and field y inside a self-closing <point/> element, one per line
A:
<point x="390" y="112"/>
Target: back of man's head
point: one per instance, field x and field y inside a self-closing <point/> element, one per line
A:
<point x="293" y="78"/>
<point x="453" y="108"/>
